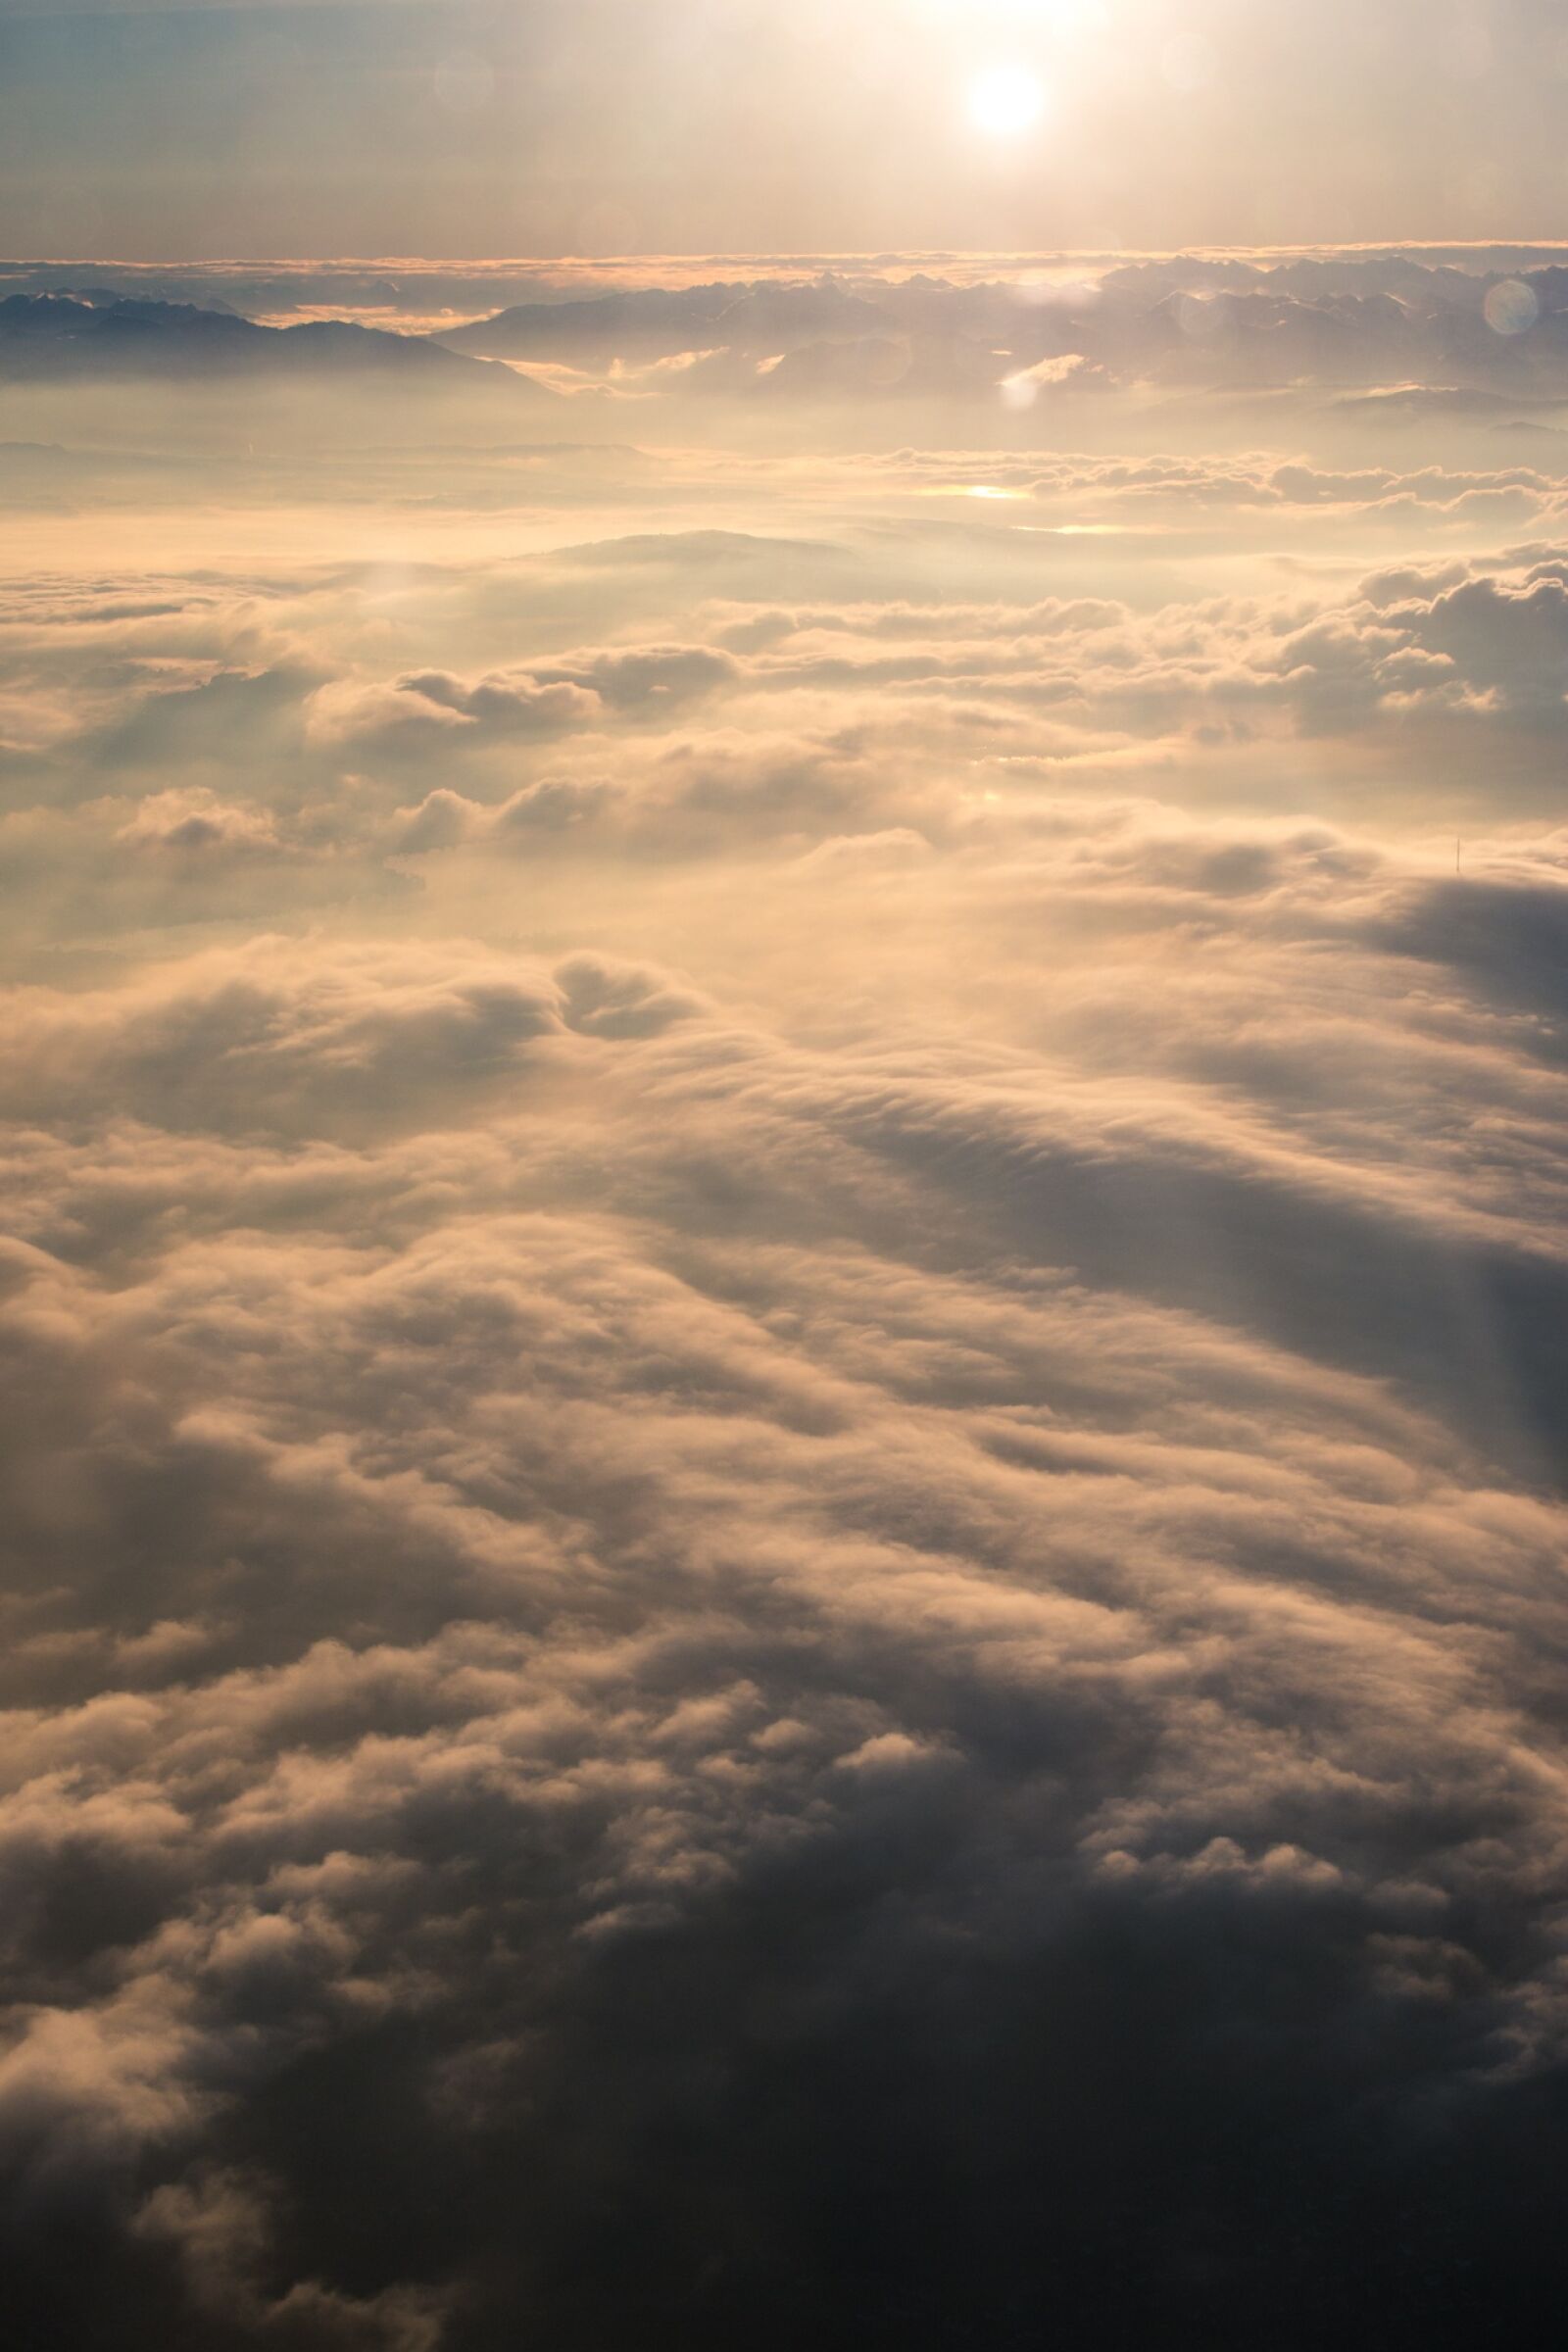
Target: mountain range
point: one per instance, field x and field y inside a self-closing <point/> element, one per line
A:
<point x="1347" y="323"/>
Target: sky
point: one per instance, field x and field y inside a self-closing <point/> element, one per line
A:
<point x="544" y="127"/>
<point x="783" y="1098"/>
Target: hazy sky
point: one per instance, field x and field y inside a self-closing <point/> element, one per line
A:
<point x="604" y="125"/>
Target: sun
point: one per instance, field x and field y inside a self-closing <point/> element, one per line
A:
<point x="1006" y="100"/>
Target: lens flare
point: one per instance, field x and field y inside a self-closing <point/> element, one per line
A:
<point x="1511" y="308"/>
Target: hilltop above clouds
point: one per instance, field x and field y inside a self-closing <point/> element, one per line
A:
<point x="97" y="335"/>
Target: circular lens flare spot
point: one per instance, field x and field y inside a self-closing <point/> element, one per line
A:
<point x="1004" y="101"/>
<point x="1511" y="308"/>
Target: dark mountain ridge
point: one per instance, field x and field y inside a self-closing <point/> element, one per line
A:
<point x="76" y="337"/>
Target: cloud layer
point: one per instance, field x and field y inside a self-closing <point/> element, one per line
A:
<point x="782" y="1333"/>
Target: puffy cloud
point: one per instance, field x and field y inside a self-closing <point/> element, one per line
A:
<point x="433" y="703"/>
<point x="196" y="821"/>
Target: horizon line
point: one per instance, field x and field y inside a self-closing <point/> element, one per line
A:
<point x="800" y="257"/>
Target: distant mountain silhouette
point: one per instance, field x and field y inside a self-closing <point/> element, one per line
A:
<point x="655" y="321"/>
<point x="84" y="337"/>
<point x="1350" y="324"/>
<point x="1349" y="321"/>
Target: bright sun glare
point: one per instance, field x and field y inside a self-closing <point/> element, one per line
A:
<point x="1006" y="100"/>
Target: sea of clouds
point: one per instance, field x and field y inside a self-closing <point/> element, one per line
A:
<point x="784" y="1320"/>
